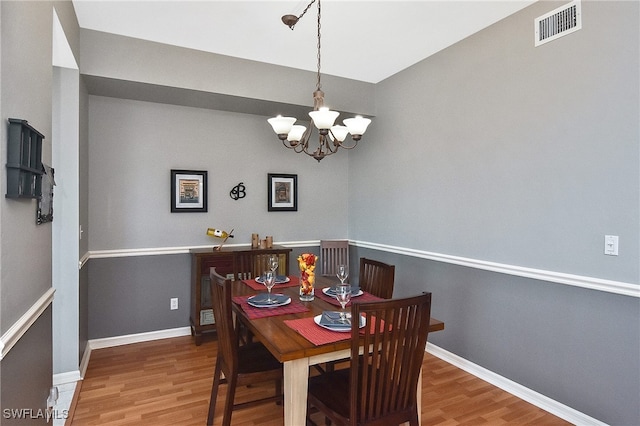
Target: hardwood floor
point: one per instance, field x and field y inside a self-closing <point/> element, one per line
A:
<point x="168" y="382"/>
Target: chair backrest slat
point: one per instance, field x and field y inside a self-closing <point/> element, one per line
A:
<point x="332" y="254"/>
<point x="387" y="375"/>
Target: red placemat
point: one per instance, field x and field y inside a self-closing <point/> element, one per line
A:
<point x="293" y="282"/>
<point x="364" y="297"/>
<point x="254" y="313"/>
<point x="317" y="335"/>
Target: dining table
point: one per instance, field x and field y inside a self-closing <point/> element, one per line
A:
<point x="294" y="337"/>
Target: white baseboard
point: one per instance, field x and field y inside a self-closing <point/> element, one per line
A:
<point x="84" y="362"/>
<point x="554" y="407"/>
<point x="68" y="377"/>
<point x="108" y="342"/>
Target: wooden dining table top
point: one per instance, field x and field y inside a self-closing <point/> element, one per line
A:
<point x="285" y="343"/>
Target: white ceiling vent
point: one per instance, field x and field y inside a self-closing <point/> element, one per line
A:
<point x="557" y="23"/>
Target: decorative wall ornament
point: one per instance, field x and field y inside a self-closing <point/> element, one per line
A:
<point x="237" y="192"/>
<point x="44" y="212"/>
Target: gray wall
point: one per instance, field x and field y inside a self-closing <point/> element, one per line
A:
<point x="26" y="374"/>
<point x="169" y="74"/>
<point x="494" y="150"/>
<point x="513" y="154"/>
<point x="25" y="251"/>
<point x="131" y="295"/>
<point x="133" y="145"/>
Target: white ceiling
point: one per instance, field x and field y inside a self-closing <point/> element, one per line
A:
<point x="361" y="39"/>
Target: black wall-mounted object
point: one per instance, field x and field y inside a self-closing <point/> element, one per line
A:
<point x="24" y="160"/>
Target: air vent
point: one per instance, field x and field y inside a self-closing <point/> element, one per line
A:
<point x="557" y="23"/>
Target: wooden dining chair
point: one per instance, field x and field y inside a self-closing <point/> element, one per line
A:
<point x="380" y="387"/>
<point x="332" y="254"/>
<point x="240" y="365"/>
<point x="376" y="277"/>
<point x="249" y="265"/>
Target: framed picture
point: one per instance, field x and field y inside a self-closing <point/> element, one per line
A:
<point x="188" y="191"/>
<point x="283" y="192"/>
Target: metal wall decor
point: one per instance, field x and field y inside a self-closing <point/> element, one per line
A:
<point x="237" y="192"/>
<point x="44" y="212"/>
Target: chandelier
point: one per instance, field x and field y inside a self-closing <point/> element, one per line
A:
<point x="330" y="136"/>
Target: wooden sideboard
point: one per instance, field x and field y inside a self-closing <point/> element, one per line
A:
<point x="226" y="263"/>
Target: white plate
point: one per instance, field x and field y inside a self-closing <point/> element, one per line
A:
<point x="279" y="280"/>
<point x="342" y="329"/>
<point x="259" y="300"/>
<point x="328" y="292"/>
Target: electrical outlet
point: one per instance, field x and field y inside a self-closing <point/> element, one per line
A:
<point x="174" y="303"/>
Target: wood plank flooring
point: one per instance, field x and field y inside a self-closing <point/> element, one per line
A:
<point x="168" y="382"/>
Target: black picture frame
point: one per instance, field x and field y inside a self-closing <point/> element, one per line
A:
<point x="282" y="190"/>
<point x="189" y="191"/>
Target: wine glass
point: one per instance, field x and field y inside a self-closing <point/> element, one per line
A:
<point x="269" y="281"/>
<point x="343" y="273"/>
<point x="274" y="262"/>
<point x="343" y="294"/>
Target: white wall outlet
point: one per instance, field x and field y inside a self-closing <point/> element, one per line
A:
<point x="611" y="245"/>
<point x="174" y="303"/>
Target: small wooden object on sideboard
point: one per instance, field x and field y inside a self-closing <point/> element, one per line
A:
<point x="226" y="264"/>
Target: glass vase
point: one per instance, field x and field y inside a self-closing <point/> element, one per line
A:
<point x="306" y="289"/>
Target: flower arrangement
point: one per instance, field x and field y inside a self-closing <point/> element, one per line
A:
<point x="307" y="264"/>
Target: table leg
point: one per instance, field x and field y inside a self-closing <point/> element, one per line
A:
<point x="296" y="382"/>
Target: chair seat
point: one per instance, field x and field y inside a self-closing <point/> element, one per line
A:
<point x="335" y="391"/>
<point x="254" y="357"/>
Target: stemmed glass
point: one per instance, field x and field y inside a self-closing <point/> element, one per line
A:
<point x="274" y="262"/>
<point x="343" y="273"/>
<point x="343" y="294"/>
<point x="269" y="281"/>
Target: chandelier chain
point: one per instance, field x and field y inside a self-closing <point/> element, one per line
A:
<point x="318" y="85"/>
